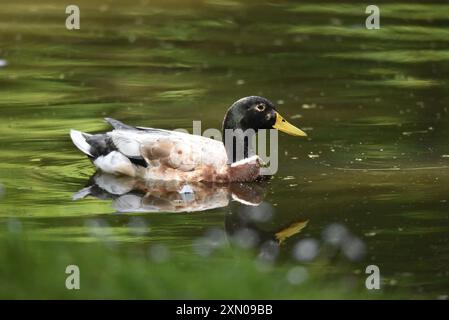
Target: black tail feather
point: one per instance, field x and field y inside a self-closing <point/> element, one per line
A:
<point x="100" y="145"/>
<point x="118" y="125"/>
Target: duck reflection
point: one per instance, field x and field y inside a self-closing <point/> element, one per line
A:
<point x="134" y="195"/>
<point x="248" y="210"/>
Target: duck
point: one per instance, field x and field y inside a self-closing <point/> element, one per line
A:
<point x="170" y="155"/>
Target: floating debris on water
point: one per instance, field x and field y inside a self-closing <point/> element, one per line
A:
<point x="296" y="116"/>
<point x="309" y="106"/>
<point x="289" y="178"/>
<point x="409" y="133"/>
<point x="313" y="156"/>
<point x="3" y="63"/>
<point x="291" y="230"/>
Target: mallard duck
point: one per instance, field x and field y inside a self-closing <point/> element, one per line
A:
<point x="158" y="154"/>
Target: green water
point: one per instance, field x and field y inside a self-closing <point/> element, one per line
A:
<point x="373" y="102"/>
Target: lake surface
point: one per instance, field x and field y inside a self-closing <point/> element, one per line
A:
<point x="373" y="102"/>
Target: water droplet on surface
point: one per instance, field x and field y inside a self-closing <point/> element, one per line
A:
<point x="104" y="8"/>
<point x="260" y="213"/>
<point x="306" y="250"/>
<point x="246" y="238"/>
<point x="354" y="249"/>
<point x="297" y="275"/>
<point x="159" y="253"/>
<point x="269" y="251"/>
<point x="335" y="234"/>
<point x="393" y="282"/>
<point x="98" y="228"/>
<point x="138" y="226"/>
<point x="14" y="225"/>
<point x="213" y="239"/>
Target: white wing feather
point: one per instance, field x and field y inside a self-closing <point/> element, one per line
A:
<point x="187" y="151"/>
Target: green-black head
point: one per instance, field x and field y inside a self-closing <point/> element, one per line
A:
<point x="254" y="113"/>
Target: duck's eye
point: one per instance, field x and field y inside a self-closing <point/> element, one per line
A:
<point x="260" y="107"/>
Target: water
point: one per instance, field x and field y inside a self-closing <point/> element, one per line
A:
<point x="374" y="103"/>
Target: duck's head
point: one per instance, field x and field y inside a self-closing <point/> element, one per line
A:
<point x="257" y="113"/>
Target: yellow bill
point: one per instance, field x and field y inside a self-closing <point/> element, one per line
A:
<point x="283" y="125"/>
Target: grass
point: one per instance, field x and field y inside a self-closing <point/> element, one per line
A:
<point x="36" y="270"/>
